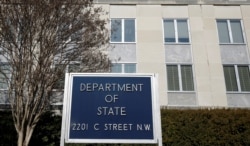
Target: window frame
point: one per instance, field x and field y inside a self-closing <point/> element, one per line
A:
<point x="176" y="32"/>
<point x="229" y="31"/>
<point x="75" y="37"/>
<point x="237" y="77"/>
<point x="123" y="31"/>
<point x="179" y="70"/>
<point x="8" y="73"/>
<point x="123" y="67"/>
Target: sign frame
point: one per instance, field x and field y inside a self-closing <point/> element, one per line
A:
<point x="156" y="117"/>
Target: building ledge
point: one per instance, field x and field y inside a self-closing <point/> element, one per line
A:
<point x="173" y="2"/>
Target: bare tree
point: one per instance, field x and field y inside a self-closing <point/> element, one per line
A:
<point x="35" y="37"/>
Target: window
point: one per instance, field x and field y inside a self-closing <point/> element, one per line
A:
<point x="230" y="31"/>
<point x="74" y="67"/>
<point x="66" y="33"/>
<point x="123" y="68"/>
<point x="60" y="83"/>
<point x="61" y="35"/>
<point x="4" y="76"/>
<point x="237" y="78"/>
<point x="15" y="30"/>
<point x="180" y="78"/>
<point x="176" y="31"/>
<point x="77" y="34"/>
<point x="123" y="30"/>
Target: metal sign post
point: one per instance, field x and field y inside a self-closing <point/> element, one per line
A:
<point x="111" y="108"/>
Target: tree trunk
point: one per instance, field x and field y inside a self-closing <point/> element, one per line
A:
<point x="20" y="138"/>
<point x="24" y="137"/>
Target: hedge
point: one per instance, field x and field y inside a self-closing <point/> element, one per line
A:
<point x="206" y="127"/>
<point x="229" y="127"/>
<point x="47" y="132"/>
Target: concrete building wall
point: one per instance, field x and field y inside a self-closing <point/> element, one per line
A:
<point x="204" y="52"/>
<point x="150" y="49"/>
<point x="207" y="59"/>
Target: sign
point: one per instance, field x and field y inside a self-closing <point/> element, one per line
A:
<point x="108" y="108"/>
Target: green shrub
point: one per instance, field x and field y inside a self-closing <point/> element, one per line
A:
<point x="47" y="131"/>
<point x="8" y="135"/>
<point x="206" y="127"/>
<point x="229" y="127"/>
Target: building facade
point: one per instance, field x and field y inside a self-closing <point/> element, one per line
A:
<point x="198" y="48"/>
